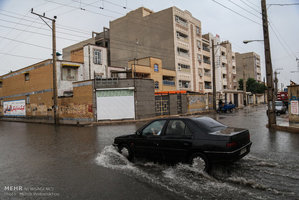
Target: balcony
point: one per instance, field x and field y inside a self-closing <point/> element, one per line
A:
<point x="206" y="48"/>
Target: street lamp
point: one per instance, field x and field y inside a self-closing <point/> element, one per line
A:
<point x="276" y="81"/>
<point x="248" y="41"/>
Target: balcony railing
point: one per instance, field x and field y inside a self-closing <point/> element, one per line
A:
<point x="167" y="82"/>
<point x="207" y="61"/>
<point x="183" y="54"/>
<point x="205" y="48"/>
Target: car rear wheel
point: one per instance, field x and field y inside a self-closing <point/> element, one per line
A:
<point x="199" y="161"/>
<point x="126" y="152"/>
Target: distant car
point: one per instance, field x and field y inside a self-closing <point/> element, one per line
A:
<point x="198" y="141"/>
<point x="280" y="107"/>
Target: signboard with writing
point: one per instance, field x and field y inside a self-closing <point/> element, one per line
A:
<point x="294" y="108"/>
<point x="14" y="108"/>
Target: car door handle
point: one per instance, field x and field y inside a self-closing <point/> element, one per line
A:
<point x="186" y="144"/>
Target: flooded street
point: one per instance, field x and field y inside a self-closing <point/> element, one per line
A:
<point x="68" y="162"/>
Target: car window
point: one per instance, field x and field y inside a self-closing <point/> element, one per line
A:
<point x="209" y="124"/>
<point x="154" y="128"/>
<point x="177" y="127"/>
<point x="278" y="103"/>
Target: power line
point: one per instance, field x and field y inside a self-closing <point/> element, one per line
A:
<point x="14" y="40"/>
<point x="236" y="12"/>
<point x="281" y="43"/>
<point x="101" y="8"/>
<point x="8" y="54"/>
<point x="245" y="9"/>
<point x="41" y="28"/>
<point x="36" y="33"/>
<point x="258" y="11"/>
<point x="35" y="21"/>
<point x="80" y="9"/>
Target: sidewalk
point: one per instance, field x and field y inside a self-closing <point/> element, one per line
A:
<point x="283" y="124"/>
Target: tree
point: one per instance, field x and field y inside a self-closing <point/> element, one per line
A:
<point x="252" y="86"/>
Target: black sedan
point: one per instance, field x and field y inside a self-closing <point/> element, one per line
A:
<point x="199" y="141"/>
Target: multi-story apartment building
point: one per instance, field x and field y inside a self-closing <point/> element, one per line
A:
<point x="172" y="35"/>
<point x="225" y="64"/>
<point x="250" y="63"/>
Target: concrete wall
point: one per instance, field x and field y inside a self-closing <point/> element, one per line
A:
<point x="79" y="107"/>
<point x="36" y="91"/>
<point x="153" y="32"/>
<point x="144" y="93"/>
<point x="293" y="94"/>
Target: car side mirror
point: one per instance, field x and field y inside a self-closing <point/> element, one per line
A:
<point x="138" y="133"/>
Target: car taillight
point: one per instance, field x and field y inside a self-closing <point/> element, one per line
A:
<point x="231" y="144"/>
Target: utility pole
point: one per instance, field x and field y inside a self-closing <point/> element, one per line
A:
<point x="275" y="84"/>
<point x="214" y="76"/>
<point x="269" y="72"/>
<point x="244" y="87"/>
<point x="56" y="114"/>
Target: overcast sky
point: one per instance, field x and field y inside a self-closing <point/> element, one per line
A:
<point x="25" y="39"/>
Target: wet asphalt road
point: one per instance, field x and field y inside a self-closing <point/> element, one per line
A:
<point x="66" y="162"/>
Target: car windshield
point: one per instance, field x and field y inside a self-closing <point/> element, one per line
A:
<point x="278" y="103"/>
<point x="209" y="124"/>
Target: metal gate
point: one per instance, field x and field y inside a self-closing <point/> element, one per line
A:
<point x="179" y="101"/>
<point x="162" y="105"/>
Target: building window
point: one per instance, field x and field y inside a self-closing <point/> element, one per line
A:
<point x="1" y="84"/>
<point x="184" y="84"/>
<point x="26" y="76"/>
<point x="183" y="66"/>
<point x="206" y="60"/>
<point x="156" y="67"/>
<point x="156" y="84"/>
<point x="97" y="57"/>
<point x="197" y="30"/>
<point x="69" y="73"/>
<point x="181" y="21"/>
<point x="28" y="99"/>
<point x="183" y="52"/>
<point x="182" y="36"/>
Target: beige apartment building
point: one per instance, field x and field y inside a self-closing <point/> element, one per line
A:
<point x="173" y="35"/>
<point x="152" y="68"/>
<point x="250" y="63"/>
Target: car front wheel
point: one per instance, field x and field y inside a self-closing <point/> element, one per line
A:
<point x="200" y="162"/>
<point x="126" y="152"/>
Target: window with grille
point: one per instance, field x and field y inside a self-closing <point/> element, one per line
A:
<point x="97" y="57"/>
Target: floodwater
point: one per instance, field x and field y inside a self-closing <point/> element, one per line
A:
<point x="67" y="162"/>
